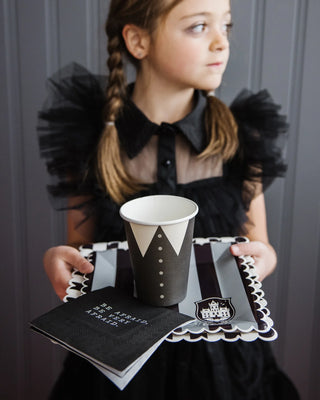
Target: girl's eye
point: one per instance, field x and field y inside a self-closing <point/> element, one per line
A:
<point x="198" y="28"/>
<point x="227" y="28"/>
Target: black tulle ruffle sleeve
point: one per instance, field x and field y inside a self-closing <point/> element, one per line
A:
<point x="261" y="137"/>
<point x="69" y="127"/>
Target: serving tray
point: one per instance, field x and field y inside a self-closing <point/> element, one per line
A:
<point x="224" y="295"/>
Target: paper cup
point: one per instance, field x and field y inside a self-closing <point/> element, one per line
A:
<point x="159" y="232"/>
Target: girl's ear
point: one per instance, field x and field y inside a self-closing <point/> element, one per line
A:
<point x="137" y="41"/>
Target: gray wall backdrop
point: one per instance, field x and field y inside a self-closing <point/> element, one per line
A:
<point x="275" y="45"/>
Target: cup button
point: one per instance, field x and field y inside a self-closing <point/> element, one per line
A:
<point x="166" y="163"/>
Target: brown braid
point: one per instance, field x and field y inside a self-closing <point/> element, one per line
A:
<point x="222" y="130"/>
<point x="113" y="176"/>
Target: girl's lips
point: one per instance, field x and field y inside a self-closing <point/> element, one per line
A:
<point x="216" y="64"/>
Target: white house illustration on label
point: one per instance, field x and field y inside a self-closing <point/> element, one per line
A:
<point x="215" y="311"/>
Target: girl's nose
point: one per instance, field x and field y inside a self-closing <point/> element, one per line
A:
<point x="219" y="41"/>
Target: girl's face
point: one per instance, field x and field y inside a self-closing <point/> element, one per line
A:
<point x="190" y="48"/>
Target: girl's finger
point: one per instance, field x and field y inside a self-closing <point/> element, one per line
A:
<point x="248" y="249"/>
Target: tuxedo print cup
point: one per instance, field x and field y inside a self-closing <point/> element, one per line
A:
<point x="159" y="231"/>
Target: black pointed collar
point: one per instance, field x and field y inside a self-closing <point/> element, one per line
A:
<point x="135" y="129"/>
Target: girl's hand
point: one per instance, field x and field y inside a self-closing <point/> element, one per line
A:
<point x="264" y="256"/>
<point x="59" y="263"/>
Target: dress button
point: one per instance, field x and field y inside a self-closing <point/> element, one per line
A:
<point x="167" y="163"/>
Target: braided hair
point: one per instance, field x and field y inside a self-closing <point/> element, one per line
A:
<point x="112" y="173"/>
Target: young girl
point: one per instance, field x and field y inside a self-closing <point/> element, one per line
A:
<point x="165" y="133"/>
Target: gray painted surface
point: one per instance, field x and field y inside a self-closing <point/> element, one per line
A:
<point x="273" y="46"/>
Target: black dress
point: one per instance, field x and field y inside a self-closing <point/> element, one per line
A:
<point x="69" y="128"/>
